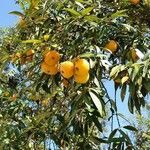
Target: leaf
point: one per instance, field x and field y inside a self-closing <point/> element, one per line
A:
<point x="17" y="13"/>
<point x="112" y="134"/>
<point x="92" y="18"/>
<point x="89" y="55"/>
<point x="97" y="102"/>
<point x="34" y="41"/>
<point x="123" y="91"/>
<point x="125" y="136"/>
<point x="114" y="71"/>
<point x="73" y="12"/>
<point x="124" y="79"/>
<point x="135" y="71"/>
<point x="86" y="11"/>
<point x="131" y="128"/>
<point x="97" y="123"/>
<point x="147" y="85"/>
<point x="121" y="13"/>
<point x="130" y="104"/>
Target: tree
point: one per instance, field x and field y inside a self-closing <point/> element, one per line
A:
<point x="110" y="40"/>
<point x="143" y="134"/>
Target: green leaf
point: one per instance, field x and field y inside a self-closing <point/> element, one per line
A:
<point x="34" y="41"/>
<point x="86" y="11"/>
<point x="135" y="71"/>
<point x="17" y="13"/>
<point x="89" y="55"/>
<point x="97" y="102"/>
<point x="114" y="71"/>
<point x="146" y="84"/>
<point x="124" y="79"/>
<point x="121" y="13"/>
<point x="125" y="136"/>
<point x="112" y="134"/>
<point x="123" y="91"/>
<point x="131" y="128"/>
<point x="97" y="123"/>
<point x="72" y="12"/>
<point x="92" y="18"/>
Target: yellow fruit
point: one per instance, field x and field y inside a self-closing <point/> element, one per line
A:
<point x="81" y="67"/>
<point x="135" y="2"/>
<point x="46" y="37"/>
<point x="81" y="79"/>
<point x="52" y="57"/>
<point x="67" y="69"/>
<point x="51" y="70"/>
<point x="112" y="46"/>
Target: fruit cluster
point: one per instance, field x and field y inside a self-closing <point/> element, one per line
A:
<point x="79" y="68"/>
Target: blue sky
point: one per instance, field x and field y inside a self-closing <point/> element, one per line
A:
<point x="7" y="20"/>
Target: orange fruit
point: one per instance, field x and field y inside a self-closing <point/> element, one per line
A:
<point x="81" y="67"/>
<point x="134" y="2"/>
<point x="51" y="70"/>
<point x="112" y="46"/>
<point x="67" y="69"/>
<point x="52" y="57"/>
<point x="81" y="79"/>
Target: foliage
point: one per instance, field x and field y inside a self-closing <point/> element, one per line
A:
<point x="143" y="134"/>
<point x="36" y="107"/>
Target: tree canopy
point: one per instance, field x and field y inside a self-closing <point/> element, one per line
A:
<point x="59" y="100"/>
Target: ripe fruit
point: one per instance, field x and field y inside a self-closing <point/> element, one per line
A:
<point x="67" y="69"/>
<point x="81" y="79"/>
<point x="81" y="67"/>
<point x="52" y="57"/>
<point x="135" y="2"/>
<point x="51" y="70"/>
<point x="46" y="37"/>
<point x="112" y="46"/>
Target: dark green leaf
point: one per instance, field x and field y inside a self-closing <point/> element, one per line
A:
<point x="130" y="128"/>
